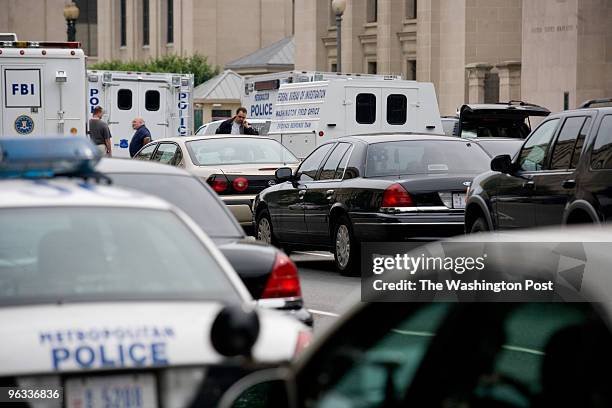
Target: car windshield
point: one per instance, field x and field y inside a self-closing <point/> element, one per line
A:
<point x="191" y="196"/>
<point x="64" y="254"/>
<point x="238" y="150"/>
<point x="408" y="157"/>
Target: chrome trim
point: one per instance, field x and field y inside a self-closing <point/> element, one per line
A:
<point x="386" y="224"/>
<point x="433" y="208"/>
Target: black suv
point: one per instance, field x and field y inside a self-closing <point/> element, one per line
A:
<point x="561" y="175"/>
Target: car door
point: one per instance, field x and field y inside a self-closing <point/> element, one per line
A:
<point x="290" y="205"/>
<point x="168" y="153"/>
<point x="321" y="193"/>
<point x="514" y="199"/>
<point x="146" y="153"/>
<point x="553" y="187"/>
<point x="599" y="170"/>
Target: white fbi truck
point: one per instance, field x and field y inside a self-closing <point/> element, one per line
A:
<point x="42" y="89"/>
<point x="260" y="91"/>
<point x="163" y="100"/>
<point x="308" y="114"/>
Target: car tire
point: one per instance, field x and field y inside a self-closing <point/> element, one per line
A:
<point x="263" y="228"/>
<point x="346" y="248"/>
<point x="480" y="225"/>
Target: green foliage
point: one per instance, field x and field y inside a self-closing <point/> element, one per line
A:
<point x="196" y="65"/>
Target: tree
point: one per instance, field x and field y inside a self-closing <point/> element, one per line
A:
<point x="196" y="64"/>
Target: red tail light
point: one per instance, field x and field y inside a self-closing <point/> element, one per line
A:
<point x="396" y="196"/>
<point x="218" y="183"/>
<point x="284" y="281"/>
<point x="240" y="184"/>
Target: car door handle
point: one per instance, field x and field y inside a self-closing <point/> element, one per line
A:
<point x="301" y="194"/>
<point x="530" y="184"/>
<point x="329" y="194"/>
<point x="568" y="184"/>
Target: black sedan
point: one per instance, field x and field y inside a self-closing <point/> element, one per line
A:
<point x="370" y="188"/>
<point x="269" y="275"/>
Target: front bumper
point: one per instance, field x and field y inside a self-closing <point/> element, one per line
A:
<point x="425" y="226"/>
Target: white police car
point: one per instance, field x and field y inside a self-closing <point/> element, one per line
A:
<point x="115" y="296"/>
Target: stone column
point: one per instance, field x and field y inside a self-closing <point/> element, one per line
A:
<point x="509" y="81"/>
<point x="476" y="81"/>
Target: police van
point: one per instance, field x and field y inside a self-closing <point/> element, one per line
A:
<point x="260" y="91"/>
<point x="308" y="114"/>
<point x="42" y="89"/>
<point x="163" y="100"/>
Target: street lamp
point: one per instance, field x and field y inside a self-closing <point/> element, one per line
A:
<point x="338" y="6"/>
<point x="71" y="14"/>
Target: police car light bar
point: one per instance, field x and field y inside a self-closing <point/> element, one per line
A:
<point x="47" y="157"/>
<point x="40" y="44"/>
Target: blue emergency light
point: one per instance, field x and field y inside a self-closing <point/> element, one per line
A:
<point x="47" y="157"/>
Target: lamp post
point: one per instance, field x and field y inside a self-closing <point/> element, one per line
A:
<point x="338" y="6"/>
<point x="71" y="14"/>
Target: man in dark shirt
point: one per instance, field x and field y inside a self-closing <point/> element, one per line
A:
<point x="99" y="133"/>
<point x="237" y="125"/>
<point x="140" y="138"/>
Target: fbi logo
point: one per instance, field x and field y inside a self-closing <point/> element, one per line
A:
<point x="24" y="125"/>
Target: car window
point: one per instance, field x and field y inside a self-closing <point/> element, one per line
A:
<point x="86" y="253"/>
<point x="188" y="194"/>
<point x="146" y="152"/>
<point x="238" y="150"/>
<point x="601" y="157"/>
<point x="310" y="166"/>
<point x="580" y="143"/>
<point x="425" y="157"/>
<point x="464" y="355"/>
<point x="340" y="171"/>
<point x="564" y="146"/>
<point x="533" y="152"/>
<point x="167" y="153"/>
<point x="333" y="161"/>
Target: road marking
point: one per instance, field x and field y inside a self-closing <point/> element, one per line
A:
<point x="319" y="312"/>
<point x="315" y="254"/>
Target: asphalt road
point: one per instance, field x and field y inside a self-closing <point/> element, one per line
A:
<point x="326" y="293"/>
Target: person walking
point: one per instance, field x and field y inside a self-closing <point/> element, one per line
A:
<point x="140" y="138"/>
<point x="99" y="133"/>
<point x="237" y="125"/>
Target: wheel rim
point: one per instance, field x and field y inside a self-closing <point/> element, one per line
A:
<point x="264" y="231"/>
<point x="343" y="246"/>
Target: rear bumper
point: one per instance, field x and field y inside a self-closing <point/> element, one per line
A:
<point x="426" y="226"/>
<point x="240" y="206"/>
<point x="293" y="307"/>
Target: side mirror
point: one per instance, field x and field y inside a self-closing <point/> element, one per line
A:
<point x="502" y="163"/>
<point x="235" y="331"/>
<point x="283" y="174"/>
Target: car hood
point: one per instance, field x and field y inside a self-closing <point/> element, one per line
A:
<point x="120" y="335"/>
<point x="500" y="111"/>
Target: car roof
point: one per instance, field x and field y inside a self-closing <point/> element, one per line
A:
<point x="19" y="193"/>
<point x="115" y="165"/>
<point x="208" y="137"/>
<point x="386" y="137"/>
<point x="581" y="111"/>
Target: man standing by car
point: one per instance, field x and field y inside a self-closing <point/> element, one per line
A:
<point x="99" y="133"/>
<point x="140" y="138"/>
<point x="237" y="125"/>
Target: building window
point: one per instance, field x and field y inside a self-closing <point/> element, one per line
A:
<point x="372" y="68"/>
<point x="365" y="109"/>
<point x="170" y="23"/>
<point x="372" y="12"/>
<point x="152" y="101"/>
<point x="218" y="114"/>
<point x="411" y="70"/>
<point x="87" y="26"/>
<point x="491" y="91"/>
<point x="124" y="99"/>
<point x="123" y="22"/>
<point x="397" y="106"/>
<point x="334" y="67"/>
<point x="411" y="9"/>
<point x="145" y="22"/>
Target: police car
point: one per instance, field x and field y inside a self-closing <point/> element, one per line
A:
<point x="115" y="296"/>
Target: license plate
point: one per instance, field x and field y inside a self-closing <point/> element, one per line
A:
<point x="121" y="391"/>
<point x="458" y="200"/>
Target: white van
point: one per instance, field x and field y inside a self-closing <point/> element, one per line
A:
<point x="260" y="90"/>
<point x="164" y="101"/>
<point x="42" y="89"/>
<point x="308" y="114"/>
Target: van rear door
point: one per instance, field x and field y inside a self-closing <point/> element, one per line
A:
<point x="22" y="100"/>
<point x="123" y="106"/>
<point x="363" y="110"/>
<point x="152" y="103"/>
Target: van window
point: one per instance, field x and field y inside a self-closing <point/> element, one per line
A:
<point x="152" y="101"/>
<point x="124" y="99"/>
<point x="601" y="158"/>
<point x="396" y="109"/>
<point x="366" y="108"/>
